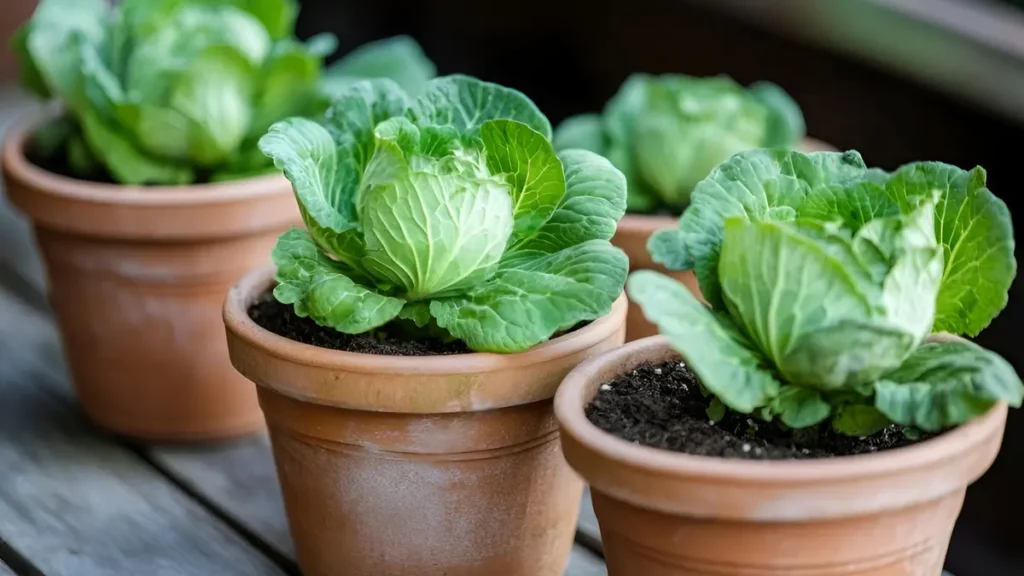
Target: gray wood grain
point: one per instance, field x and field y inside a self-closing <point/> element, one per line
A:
<point x="72" y="501"/>
<point x="238" y="478"/>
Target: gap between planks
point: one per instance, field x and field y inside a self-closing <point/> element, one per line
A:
<point x="13" y="563"/>
<point x="73" y="502"/>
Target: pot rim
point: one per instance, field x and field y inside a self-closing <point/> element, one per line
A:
<point x="571" y="399"/>
<point x="256" y="282"/>
<point x="17" y="165"/>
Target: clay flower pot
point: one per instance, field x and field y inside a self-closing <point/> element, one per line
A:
<point x="137" y="278"/>
<point x="668" y="514"/>
<point x="631" y="236"/>
<point x="394" y="466"/>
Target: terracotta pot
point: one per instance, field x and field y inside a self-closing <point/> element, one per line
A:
<point x="663" y="513"/>
<point x="394" y="466"/>
<point x="137" y="278"/>
<point x="631" y="236"/>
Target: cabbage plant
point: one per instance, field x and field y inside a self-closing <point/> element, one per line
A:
<point x="667" y="132"/>
<point x="450" y="213"/>
<point x="179" y="91"/>
<point x="825" y="278"/>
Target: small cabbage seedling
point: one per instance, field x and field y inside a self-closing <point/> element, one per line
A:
<point x="825" y="278"/>
<point x="179" y="91"/>
<point x="667" y="132"/>
<point x="449" y="212"/>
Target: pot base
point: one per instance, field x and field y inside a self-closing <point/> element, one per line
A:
<point x="129" y="429"/>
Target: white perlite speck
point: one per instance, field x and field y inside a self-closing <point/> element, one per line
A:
<point x="746" y="447"/>
<point x="606" y="387"/>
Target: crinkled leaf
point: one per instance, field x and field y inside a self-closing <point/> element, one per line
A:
<point x="525" y="158"/>
<point x="583" y="131"/>
<point x="399" y="58"/>
<point x="800" y="295"/>
<point x="325" y="182"/>
<point x="404" y="133"/>
<point x="854" y="205"/>
<point x="859" y="420"/>
<point x="318" y="287"/>
<point x="416" y="312"/>
<point x="397" y="139"/>
<point x="438" y="141"/>
<point x="466" y="103"/>
<point x="786" y="124"/>
<point x="755" y="185"/>
<point x="356" y="111"/>
<point x="942" y="385"/>
<point x="670" y="247"/>
<point x="976" y="234"/>
<point x="800" y="407"/>
<point x="713" y="347"/>
<point x="593" y="203"/>
<point x="521" y="307"/>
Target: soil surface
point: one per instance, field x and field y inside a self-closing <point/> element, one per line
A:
<point x="282" y="320"/>
<point x="661" y="405"/>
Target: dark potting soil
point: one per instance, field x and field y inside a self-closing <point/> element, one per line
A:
<point x="281" y="319"/>
<point x="661" y="405"/>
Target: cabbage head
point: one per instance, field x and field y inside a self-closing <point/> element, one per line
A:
<point x="667" y="132"/>
<point x="180" y="91"/>
<point x="824" y="279"/>
<point x="450" y="212"/>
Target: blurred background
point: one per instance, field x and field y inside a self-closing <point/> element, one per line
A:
<point x="898" y="80"/>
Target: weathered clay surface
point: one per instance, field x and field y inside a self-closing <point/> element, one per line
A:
<point x="631" y="236"/>
<point x="138" y="277"/>
<point x="398" y="466"/>
<point x="668" y="514"/>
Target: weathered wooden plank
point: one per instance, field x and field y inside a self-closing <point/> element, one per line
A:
<point x="75" y="503"/>
<point x="238" y="478"/>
